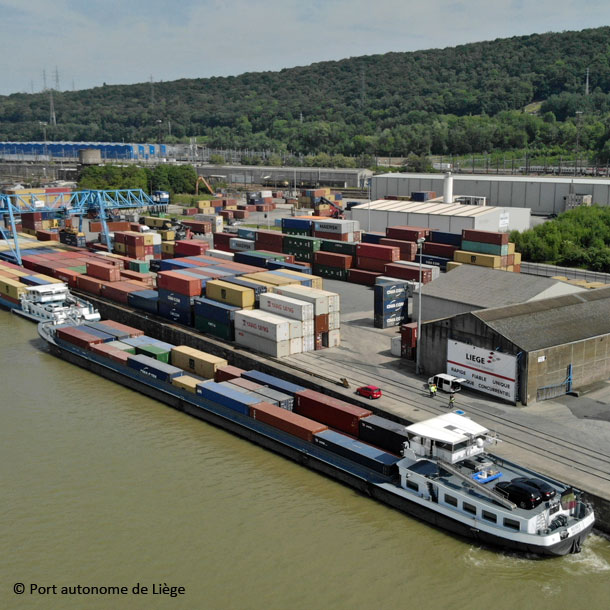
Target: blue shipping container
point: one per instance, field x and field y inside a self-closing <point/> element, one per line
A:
<point x="292" y="266"/>
<point x="153" y="368"/>
<point x="246" y="233"/>
<point x="232" y="399"/>
<point x="175" y="299"/>
<point x="98" y="333"/>
<point x="389" y="292"/>
<point x="250" y="259"/>
<point x="372" y="238"/>
<point x="442" y="237"/>
<point x="213" y="310"/>
<point x="301" y="224"/>
<point x="109" y="330"/>
<point x="437" y="261"/>
<point x="176" y="314"/>
<point x="146" y="300"/>
<point x="273" y="382"/>
<point x="358" y="452"/>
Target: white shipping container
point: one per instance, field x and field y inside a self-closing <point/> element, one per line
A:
<point x="319" y="298"/>
<point x="286" y="306"/>
<point x="217" y="222"/>
<point x="296" y="345"/>
<point x="241" y="245"/>
<point x="263" y="324"/>
<point x="278" y="349"/>
<point x="295" y="327"/>
<point x="336" y="226"/>
<point x="308" y="327"/>
<point x="309" y="344"/>
<point x="220" y="254"/>
<point x="156" y="239"/>
<point x="265" y="194"/>
<point x="334" y="338"/>
<point x="395" y="347"/>
<point x="334" y="320"/>
<point x="334" y="302"/>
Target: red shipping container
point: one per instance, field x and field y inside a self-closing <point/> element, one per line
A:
<point x="101" y="271"/>
<point x="408" y="272"/>
<point x="333" y="412"/>
<point x="67" y="275"/>
<point x="287" y="421"/>
<point x="134" y="239"/>
<point x="226" y="214"/>
<point x="360" y="276"/>
<point x="119" y="291"/>
<point x="89" y="284"/>
<point x="241" y="214"/>
<point x="42" y="235"/>
<point x="486" y="237"/>
<point x="133" y="332"/>
<point x="408" y="334"/>
<point x="136" y="276"/>
<point x="333" y="259"/>
<point x="78" y="337"/>
<point x="113" y="353"/>
<point x="386" y="253"/>
<point x="408" y="249"/>
<point x="175" y="282"/>
<point x="445" y="250"/>
<point x="334" y="236"/>
<point x="320" y="323"/>
<point x="370" y="264"/>
<point x="221" y="241"/>
<point x="198" y="226"/>
<point x="407" y="233"/>
<point x="269" y="237"/>
<point x="226" y="373"/>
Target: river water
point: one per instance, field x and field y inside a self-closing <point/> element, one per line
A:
<point x="105" y="488"/>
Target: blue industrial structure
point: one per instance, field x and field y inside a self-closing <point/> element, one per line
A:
<point x="69" y="150"/>
<point x="80" y="204"/>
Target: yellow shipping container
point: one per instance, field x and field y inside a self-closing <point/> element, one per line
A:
<point x="453" y="265"/>
<point x="517" y="259"/>
<point x="230" y="294"/>
<point x="120" y="248"/>
<point x="46" y="224"/>
<point x="148" y="239"/>
<point x="14" y="272"/>
<point x="269" y="278"/>
<point x="196" y="361"/>
<point x="593" y="285"/>
<point x="474" y="258"/>
<point x="168" y="235"/>
<point x="167" y="247"/>
<point x="188" y="383"/>
<point x="316" y="281"/>
<point x="12" y="288"/>
<point x="511" y="247"/>
<point x="231" y="207"/>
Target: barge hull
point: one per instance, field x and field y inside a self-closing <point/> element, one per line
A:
<point x="315" y="458"/>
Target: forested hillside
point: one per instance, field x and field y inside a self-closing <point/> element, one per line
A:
<point x="448" y="101"/>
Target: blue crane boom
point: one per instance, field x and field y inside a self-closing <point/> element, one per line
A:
<point x="80" y="203"/>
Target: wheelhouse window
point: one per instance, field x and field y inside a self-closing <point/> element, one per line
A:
<point x="450" y="500"/>
<point x="469" y="508"/>
<point x="489" y="516"/>
<point x="512" y="524"/>
<point x="412" y="485"/>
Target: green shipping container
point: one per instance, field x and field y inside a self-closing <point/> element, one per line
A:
<point x="301" y="232"/>
<point x="79" y="269"/>
<point x="154" y="351"/>
<point x="333" y="273"/>
<point x="139" y="266"/>
<point x="339" y="247"/>
<point x="483" y="248"/>
<point x="295" y="242"/>
<point x="211" y="327"/>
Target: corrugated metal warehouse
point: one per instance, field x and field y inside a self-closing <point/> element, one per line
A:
<point x="452" y="218"/>
<point x="470" y="288"/>
<point x="541" y="195"/>
<point x="308" y="176"/>
<point x="526" y="352"/>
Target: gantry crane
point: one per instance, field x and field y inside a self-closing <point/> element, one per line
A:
<point x="80" y="203"/>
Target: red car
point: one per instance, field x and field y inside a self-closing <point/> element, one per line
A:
<point x="369" y="391"/>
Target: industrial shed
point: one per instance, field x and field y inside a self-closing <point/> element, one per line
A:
<point x="472" y="288"/>
<point x="526" y="352"/>
<point x="291" y="176"/>
<point x="448" y="217"/>
<point x="542" y="195"/>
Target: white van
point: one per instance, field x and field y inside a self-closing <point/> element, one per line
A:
<point x="447" y="383"/>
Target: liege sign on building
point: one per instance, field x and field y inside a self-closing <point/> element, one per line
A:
<point x="484" y="370"/>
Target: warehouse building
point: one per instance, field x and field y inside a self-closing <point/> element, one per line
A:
<point x="471" y="288"/>
<point x="448" y="217"/>
<point x="524" y="352"/>
<point x="36" y="151"/>
<point x="542" y="195"/>
<point x="288" y="177"/>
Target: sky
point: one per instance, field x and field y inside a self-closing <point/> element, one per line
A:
<point x="81" y="44"/>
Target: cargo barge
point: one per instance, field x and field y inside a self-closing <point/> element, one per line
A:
<point x="436" y="470"/>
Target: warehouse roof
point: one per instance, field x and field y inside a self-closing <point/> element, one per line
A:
<point x="426" y="207"/>
<point x="485" y="287"/>
<point x="539" y="324"/>
<point x="497" y="178"/>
